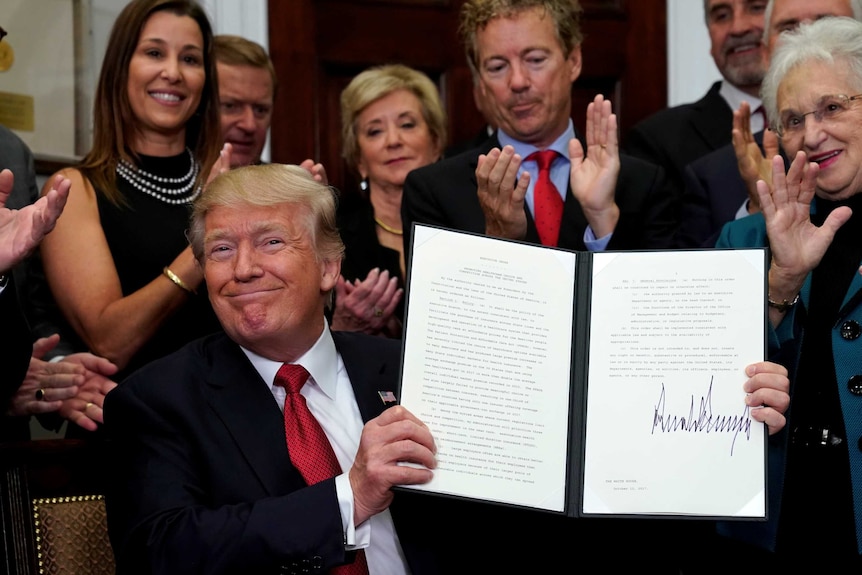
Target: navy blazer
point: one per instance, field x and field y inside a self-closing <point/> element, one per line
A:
<point x="16" y="340"/>
<point x="714" y="193"/>
<point x="34" y="294"/>
<point x="445" y="194"/>
<point x="16" y="347"/>
<point x="203" y="480"/>
<point x="676" y="136"/>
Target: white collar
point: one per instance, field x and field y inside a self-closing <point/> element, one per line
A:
<point x="321" y="362"/>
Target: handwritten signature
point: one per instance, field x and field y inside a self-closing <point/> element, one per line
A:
<point x="702" y="421"/>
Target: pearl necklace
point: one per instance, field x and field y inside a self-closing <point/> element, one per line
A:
<point x="148" y="183"/>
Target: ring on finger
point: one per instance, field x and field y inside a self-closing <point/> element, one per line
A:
<point x="378" y="312"/>
<point x="89" y="404"/>
<point x="40" y="394"/>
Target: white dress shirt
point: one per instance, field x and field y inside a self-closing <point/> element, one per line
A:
<point x="734" y="97"/>
<point x="329" y="395"/>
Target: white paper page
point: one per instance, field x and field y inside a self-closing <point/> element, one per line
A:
<point x="487" y="356"/>
<point x="667" y="427"/>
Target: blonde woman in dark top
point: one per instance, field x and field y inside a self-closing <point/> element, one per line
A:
<point x="392" y="121"/>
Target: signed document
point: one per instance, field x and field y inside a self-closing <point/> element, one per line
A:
<point x="587" y="384"/>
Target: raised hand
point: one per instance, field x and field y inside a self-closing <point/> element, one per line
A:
<point x="797" y="244"/>
<point x="368" y="305"/>
<point x="753" y="163"/>
<point x="22" y="230"/>
<point x="501" y="193"/>
<point x="594" y="176"/>
<point x="393" y="437"/>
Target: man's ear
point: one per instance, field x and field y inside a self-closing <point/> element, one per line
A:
<point x="329" y="272"/>
<point x="574" y="62"/>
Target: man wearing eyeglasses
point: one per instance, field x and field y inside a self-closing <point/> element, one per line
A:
<point x="720" y="186"/>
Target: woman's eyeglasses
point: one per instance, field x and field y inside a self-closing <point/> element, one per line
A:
<point x="828" y="110"/>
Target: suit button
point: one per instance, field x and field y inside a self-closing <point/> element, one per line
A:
<point x="850" y="330"/>
<point x="854" y="384"/>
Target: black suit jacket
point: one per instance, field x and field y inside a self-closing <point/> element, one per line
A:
<point x="714" y="192"/>
<point x="37" y="302"/>
<point x="16" y="344"/>
<point x="16" y="347"/>
<point x="444" y="194"/>
<point x="16" y="339"/>
<point x="476" y="141"/>
<point x="676" y="136"/>
<point x="204" y="483"/>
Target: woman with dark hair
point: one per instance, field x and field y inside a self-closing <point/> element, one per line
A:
<point x="118" y="262"/>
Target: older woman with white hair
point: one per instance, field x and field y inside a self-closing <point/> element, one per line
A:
<point x="812" y="223"/>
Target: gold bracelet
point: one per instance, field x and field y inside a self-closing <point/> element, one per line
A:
<point x="177" y="280"/>
<point x="783" y="305"/>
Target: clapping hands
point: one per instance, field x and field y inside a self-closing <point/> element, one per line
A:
<point x="753" y="164"/>
<point x="368" y="305"/>
<point x="75" y="386"/>
<point x="594" y="176"/>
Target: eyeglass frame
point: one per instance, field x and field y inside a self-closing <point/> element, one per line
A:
<point x="782" y="132"/>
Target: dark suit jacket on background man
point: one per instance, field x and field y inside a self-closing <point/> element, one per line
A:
<point x="714" y="193"/>
<point x="16" y="346"/>
<point x="444" y="194"/>
<point x="676" y="136"/>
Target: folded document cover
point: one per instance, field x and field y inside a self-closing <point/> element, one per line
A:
<point x="589" y="384"/>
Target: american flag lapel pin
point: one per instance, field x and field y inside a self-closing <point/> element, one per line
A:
<point x="387" y="397"/>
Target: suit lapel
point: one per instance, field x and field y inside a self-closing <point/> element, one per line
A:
<point x="714" y="118"/>
<point x="247" y="409"/>
<point x="370" y="370"/>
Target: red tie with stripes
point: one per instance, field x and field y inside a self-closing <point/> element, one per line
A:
<point x="547" y="203"/>
<point x="309" y="448"/>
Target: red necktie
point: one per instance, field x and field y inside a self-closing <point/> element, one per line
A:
<point x="309" y="448"/>
<point x="547" y="203"/>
